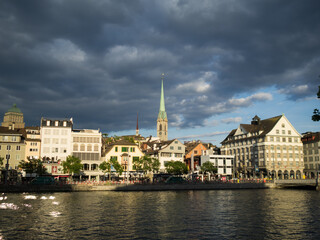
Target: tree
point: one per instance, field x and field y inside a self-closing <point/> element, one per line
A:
<point x="208" y="167"/>
<point x="316" y="112"/>
<point x="146" y="164"/>
<point x="176" y="167"/>
<point x="116" y="165"/>
<point x="33" y="165"/>
<point x="72" y="165"/>
<point x="1" y="162"/>
<point x="105" y="166"/>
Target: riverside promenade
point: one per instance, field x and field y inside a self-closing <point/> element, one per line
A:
<point x="132" y="187"/>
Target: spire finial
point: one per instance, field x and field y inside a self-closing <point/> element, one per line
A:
<point x="137" y="129"/>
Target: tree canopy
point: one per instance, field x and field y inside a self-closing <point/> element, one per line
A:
<point x="1" y="162"/>
<point x="146" y="164"/>
<point x="33" y="165"/>
<point x="208" y="167"/>
<point x="72" y="165"/>
<point x="176" y="167"/>
<point x="316" y="112"/>
<point x="116" y="165"/>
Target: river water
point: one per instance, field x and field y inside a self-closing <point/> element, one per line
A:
<point x="217" y="214"/>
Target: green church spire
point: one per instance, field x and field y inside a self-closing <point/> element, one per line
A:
<point x="162" y="111"/>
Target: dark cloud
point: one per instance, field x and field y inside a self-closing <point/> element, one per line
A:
<point x="100" y="62"/>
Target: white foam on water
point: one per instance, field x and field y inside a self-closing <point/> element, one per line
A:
<point x="55" y="203"/>
<point x="52" y="197"/>
<point x="55" y="214"/>
<point x="8" y="206"/>
<point x="43" y="197"/>
<point x="27" y="205"/>
<point x="30" y="197"/>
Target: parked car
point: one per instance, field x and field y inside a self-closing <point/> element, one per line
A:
<point x="43" y="180"/>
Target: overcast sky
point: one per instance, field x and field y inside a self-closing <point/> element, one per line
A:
<point x="100" y="62"/>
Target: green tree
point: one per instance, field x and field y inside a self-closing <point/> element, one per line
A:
<point x="1" y="162"/>
<point x="176" y="167"/>
<point x="208" y="167"/>
<point x="32" y="165"/>
<point x="105" y="166"/>
<point x="146" y="164"/>
<point x="316" y="112"/>
<point x="116" y="165"/>
<point x="72" y="165"/>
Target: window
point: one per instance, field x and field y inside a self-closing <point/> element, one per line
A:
<point x="48" y="123"/>
<point x="277" y="131"/>
<point x="178" y="155"/>
<point x="271" y="139"/>
<point x="56" y="123"/>
<point x="55" y="131"/>
<point x="75" y="147"/>
<point x="18" y="148"/>
<point x="124" y="149"/>
<point x="176" y="142"/>
<point x="116" y="149"/>
<point x="283" y="139"/>
<point x="195" y="152"/>
<point x="64" y="123"/>
<point x="8" y="147"/>
<point x="89" y="148"/>
<point x="282" y="125"/>
<point x="278" y="139"/>
<point x="283" y="131"/>
<point x="171" y="147"/>
<point x="289" y="139"/>
<point x="179" y="148"/>
<point x="46" y="141"/>
<point x="82" y="147"/>
<point x="63" y="141"/>
<point x="96" y="148"/>
<point x="113" y="158"/>
<point x="17" y="157"/>
<point x="296" y="140"/>
<point x="289" y="132"/>
<point x="14" y="138"/>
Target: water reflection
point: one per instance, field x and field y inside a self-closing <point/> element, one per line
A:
<point x="242" y="214"/>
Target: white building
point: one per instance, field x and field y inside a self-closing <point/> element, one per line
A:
<point x="223" y="163"/>
<point x="166" y="151"/>
<point x="270" y="147"/>
<point x="86" y="145"/>
<point x="56" y="138"/>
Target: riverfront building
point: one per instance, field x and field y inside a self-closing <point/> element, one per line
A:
<point x="56" y="138"/>
<point x="166" y="151"/>
<point x="125" y="152"/>
<point x="270" y="147"/>
<point x="12" y="146"/>
<point x="223" y="163"/>
<point x="193" y="153"/>
<point x="311" y="145"/>
<point x="33" y="142"/>
<point x="87" y="145"/>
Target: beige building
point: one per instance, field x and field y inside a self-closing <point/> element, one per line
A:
<point x="311" y="145"/>
<point x="270" y="147"/>
<point x="13" y="118"/>
<point x="33" y="142"/>
<point x="166" y="151"/>
<point x="86" y="145"/>
<point x="124" y="152"/>
<point x="12" y="145"/>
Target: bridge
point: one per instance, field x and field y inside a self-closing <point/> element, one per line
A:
<point x="296" y="183"/>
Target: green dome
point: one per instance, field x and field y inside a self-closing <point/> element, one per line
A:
<point x="14" y="109"/>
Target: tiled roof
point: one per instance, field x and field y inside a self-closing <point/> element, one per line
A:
<point x="265" y="126"/>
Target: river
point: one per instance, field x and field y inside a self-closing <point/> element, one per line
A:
<point x="216" y="214"/>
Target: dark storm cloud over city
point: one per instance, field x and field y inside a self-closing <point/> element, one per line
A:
<point x="100" y="62"/>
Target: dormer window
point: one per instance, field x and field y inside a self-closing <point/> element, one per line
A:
<point x="56" y="123"/>
<point x="283" y="125"/>
<point x="48" y="123"/>
<point x="64" y="123"/>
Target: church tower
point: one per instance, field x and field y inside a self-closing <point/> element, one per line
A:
<point x="162" y="121"/>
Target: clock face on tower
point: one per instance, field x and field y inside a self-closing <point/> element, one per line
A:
<point x="160" y="133"/>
